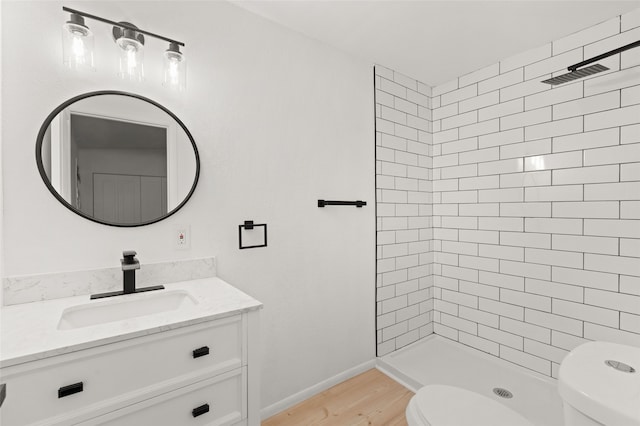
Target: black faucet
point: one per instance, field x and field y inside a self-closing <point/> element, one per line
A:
<point x="129" y="264"/>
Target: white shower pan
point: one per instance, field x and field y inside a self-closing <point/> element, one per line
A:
<point x="438" y="360"/>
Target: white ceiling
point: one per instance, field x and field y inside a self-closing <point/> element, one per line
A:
<point x="436" y="41"/>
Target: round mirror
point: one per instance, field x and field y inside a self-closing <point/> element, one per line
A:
<point x="117" y="158"/>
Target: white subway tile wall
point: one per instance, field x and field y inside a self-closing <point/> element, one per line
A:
<point x="404" y="205"/>
<point x="536" y="202"/>
<point x="522" y="238"/>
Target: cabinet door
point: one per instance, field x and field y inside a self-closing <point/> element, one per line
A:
<point x="116" y="198"/>
<point x="153" y="197"/>
<point x="216" y="401"/>
<point x="119" y="374"/>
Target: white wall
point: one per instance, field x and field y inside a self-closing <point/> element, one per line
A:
<point x="279" y="120"/>
<point x="537" y="201"/>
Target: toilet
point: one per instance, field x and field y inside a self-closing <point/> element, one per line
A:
<point x="443" y="405"/>
<point x="599" y="383"/>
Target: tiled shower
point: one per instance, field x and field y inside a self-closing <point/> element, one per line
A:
<point x="404" y="210"/>
<point x="509" y="210"/>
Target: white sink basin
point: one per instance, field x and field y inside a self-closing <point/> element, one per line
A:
<point x="120" y="308"/>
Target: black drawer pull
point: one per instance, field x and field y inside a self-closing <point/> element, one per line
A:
<point x="201" y="352"/>
<point x="70" y="389"/>
<point x="198" y="411"/>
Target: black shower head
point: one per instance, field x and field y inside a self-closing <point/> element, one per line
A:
<point x="574" y="75"/>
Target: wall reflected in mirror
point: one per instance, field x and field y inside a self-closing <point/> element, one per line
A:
<point x="119" y="160"/>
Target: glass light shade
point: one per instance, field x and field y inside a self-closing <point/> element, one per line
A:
<point x="175" y="69"/>
<point x="77" y="46"/>
<point x="131" y="54"/>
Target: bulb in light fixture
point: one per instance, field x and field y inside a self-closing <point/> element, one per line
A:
<point x="175" y="68"/>
<point x="131" y="54"/>
<point x="77" y="44"/>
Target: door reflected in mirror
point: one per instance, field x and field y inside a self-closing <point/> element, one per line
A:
<point x="117" y="158"/>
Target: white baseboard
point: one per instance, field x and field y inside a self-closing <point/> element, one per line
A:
<point x="315" y="389"/>
<point x="396" y="375"/>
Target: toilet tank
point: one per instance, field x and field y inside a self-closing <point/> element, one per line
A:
<point x="573" y="417"/>
<point x="599" y="383"/>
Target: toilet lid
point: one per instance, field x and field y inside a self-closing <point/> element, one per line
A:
<point x="442" y="405"/>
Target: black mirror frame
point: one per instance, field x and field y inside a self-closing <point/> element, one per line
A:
<point x="64" y="202"/>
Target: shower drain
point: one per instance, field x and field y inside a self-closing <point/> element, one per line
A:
<point x="502" y="393"/>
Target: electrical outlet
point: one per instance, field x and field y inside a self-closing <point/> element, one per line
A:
<point x="182" y="238"/>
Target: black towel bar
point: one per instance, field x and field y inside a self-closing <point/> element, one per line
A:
<point x="322" y="203"/>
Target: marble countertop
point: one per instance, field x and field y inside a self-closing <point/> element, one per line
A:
<point x="29" y="331"/>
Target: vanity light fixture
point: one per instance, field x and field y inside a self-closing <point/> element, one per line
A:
<point x="175" y="68"/>
<point x="78" y="49"/>
<point x="130" y="52"/>
<point x="77" y="44"/>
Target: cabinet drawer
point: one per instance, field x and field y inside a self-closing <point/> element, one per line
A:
<point x="131" y="371"/>
<point x="215" y="401"/>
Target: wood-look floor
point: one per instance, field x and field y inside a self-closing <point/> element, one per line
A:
<point x="370" y="398"/>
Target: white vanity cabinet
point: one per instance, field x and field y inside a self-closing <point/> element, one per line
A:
<point x="202" y="372"/>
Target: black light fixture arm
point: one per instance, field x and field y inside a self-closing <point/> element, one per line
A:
<point x="604" y="55"/>
<point x="121" y="25"/>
